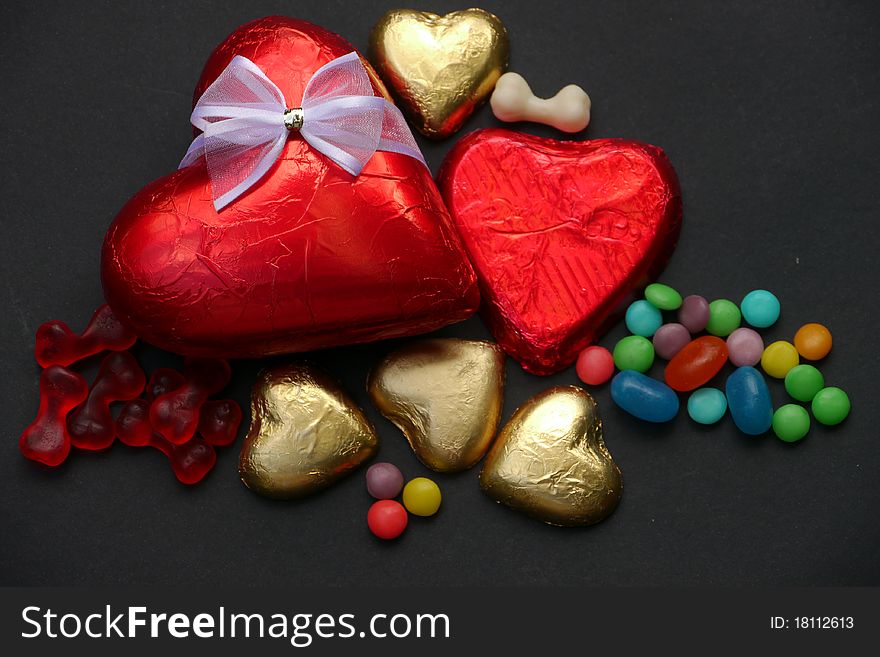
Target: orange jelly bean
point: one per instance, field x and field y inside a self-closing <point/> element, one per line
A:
<point x="813" y="341"/>
<point x="696" y="363"/>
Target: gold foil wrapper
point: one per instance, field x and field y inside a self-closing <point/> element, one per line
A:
<point x="305" y="433"/>
<point x="439" y="68"/>
<point x="445" y="395"/>
<point x="550" y="461"/>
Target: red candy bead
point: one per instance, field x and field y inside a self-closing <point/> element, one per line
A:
<point x="46" y="440"/>
<point x="219" y="420"/>
<point x="175" y="415"/>
<point x="595" y="365"/>
<point x="190" y="462"/>
<point x="120" y="378"/>
<point x="696" y="363"/>
<point x="387" y="519"/>
<point x="56" y="344"/>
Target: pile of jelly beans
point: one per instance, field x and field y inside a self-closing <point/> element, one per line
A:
<point x="176" y="417"/>
<point x="695" y="361"/>
<point x="388" y="518"/>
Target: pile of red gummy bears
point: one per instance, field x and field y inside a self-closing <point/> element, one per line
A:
<point x="176" y="416"/>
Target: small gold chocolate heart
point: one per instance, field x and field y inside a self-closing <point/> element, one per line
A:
<point x="305" y="433"/>
<point x="550" y="461"/>
<point x="440" y="68"/>
<point x="446" y="397"/>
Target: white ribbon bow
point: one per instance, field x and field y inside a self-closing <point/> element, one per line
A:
<point x="245" y="122"/>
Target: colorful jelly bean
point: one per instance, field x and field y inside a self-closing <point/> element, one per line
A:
<point x="745" y="347"/>
<point x="56" y="344"/>
<point x="694" y="313"/>
<point x="791" y="423"/>
<point x="696" y="364"/>
<point x="831" y="406"/>
<point x="707" y="405"/>
<point x="387" y="519"/>
<point x="778" y="358"/>
<point x="644" y="397"/>
<point x="760" y="308"/>
<point x="803" y="382"/>
<point x="813" y="341"/>
<point x="46" y="439"/>
<point x="748" y="399"/>
<point x="384" y="481"/>
<point x="670" y="339"/>
<point x="663" y="297"/>
<point x="595" y="365"/>
<point x="643" y="318"/>
<point x="120" y="378"/>
<point x="724" y="318"/>
<point x="634" y="353"/>
<point x="421" y="497"/>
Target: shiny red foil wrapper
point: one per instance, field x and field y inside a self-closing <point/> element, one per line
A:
<point x="561" y="234"/>
<point x="309" y="257"/>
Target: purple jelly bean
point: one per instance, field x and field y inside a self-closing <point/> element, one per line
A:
<point x="694" y="313"/>
<point x="670" y="339"/>
<point x="384" y="481"/>
<point x="744" y="347"/>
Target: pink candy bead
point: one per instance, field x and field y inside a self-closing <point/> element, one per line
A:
<point x="744" y="347"/>
<point x="670" y="339"/>
<point x="595" y="365"/>
<point x="694" y="313"/>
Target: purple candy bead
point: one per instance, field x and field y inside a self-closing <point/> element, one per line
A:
<point x="744" y="347"/>
<point x="694" y="313"/>
<point x="670" y="339"/>
<point x="384" y="481"/>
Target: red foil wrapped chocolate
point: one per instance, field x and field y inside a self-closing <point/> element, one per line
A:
<point x="560" y="234"/>
<point x="309" y="257"/>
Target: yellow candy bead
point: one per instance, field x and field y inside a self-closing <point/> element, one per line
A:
<point x="778" y="358"/>
<point x="421" y="497"/>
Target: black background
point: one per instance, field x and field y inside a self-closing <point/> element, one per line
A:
<point x="769" y="114"/>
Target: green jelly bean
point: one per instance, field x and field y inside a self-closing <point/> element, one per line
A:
<point x="724" y="318"/>
<point x="791" y="422"/>
<point x="803" y="382"/>
<point x="662" y="296"/>
<point x="831" y="406"/>
<point x="634" y="353"/>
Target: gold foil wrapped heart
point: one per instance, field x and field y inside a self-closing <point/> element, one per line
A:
<point x="440" y="68"/>
<point x="445" y="395"/>
<point x="305" y="433"/>
<point x="550" y="461"/>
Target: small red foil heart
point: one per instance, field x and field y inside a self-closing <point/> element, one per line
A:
<point x="309" y="257"/>
<point x="561" y="233"/>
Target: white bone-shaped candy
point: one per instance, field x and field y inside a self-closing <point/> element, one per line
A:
<point x="513" y="100"/>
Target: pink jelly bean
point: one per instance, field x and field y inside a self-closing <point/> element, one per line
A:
<point x="670" y="339"/>
<point x="694" y="313"/>
<point x="744" y="347"/>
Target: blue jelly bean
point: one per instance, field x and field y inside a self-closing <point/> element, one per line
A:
<point x="760" y="308"/>
<point x="707" y="405"/>
<point x="749" y="401"/>
<point x="646" y="398"/>
<point x="643" y="318"/>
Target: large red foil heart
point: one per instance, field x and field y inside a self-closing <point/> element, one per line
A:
<point x="309" y="257"/>
<point x="560" y="234"/>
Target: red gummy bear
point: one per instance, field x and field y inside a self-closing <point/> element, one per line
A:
<point x="190" y="461"/>
<point x="219" y="420"/>
<point x="175" y="415"/>
<point x="46" y="439"/>
<point x="163" y="381"/>
<point x="56" y="344"/>
<point x="120" y="378"/>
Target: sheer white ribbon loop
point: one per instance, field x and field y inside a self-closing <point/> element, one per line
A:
<point x="241" y="116"/>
